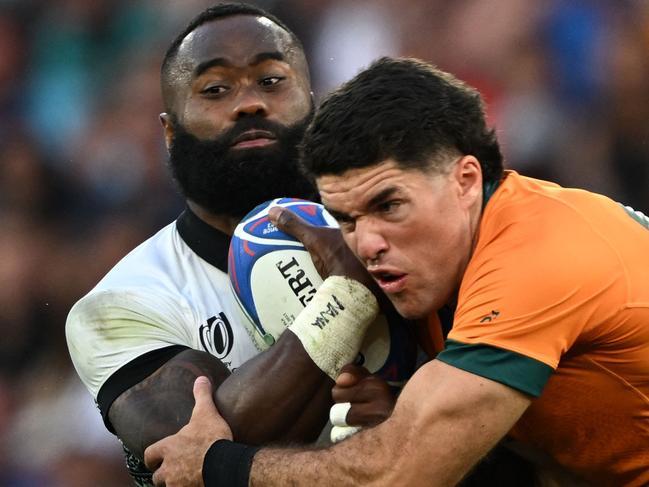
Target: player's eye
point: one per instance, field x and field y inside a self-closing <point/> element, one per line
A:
<point x="270" y="81"/>
<point x="391" y="210"/>
<point x="215" y="89"/>
<point x="388" y="206"/>
<point x="347" y="225"/>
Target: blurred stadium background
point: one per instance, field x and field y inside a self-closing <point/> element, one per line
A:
<point x="82" y="161"/>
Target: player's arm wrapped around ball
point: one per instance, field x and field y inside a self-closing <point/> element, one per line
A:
<point x="332" y="326"/>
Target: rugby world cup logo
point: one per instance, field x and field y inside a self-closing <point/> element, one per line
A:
<point x="216" y="336"/>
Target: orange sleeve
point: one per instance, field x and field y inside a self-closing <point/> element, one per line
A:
<point x="430" y="336"/>
<point x="538" y="279"/>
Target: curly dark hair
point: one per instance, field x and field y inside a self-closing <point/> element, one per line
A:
<point x="404" y="109"/>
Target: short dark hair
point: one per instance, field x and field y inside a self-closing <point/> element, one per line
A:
<point x="215" y="12"/>
<point x="404" y="109"/>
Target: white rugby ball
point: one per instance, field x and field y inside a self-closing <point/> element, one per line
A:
<point x="273" y="278"/>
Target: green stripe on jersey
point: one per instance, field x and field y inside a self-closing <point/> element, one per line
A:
<point x="510" y="368"/>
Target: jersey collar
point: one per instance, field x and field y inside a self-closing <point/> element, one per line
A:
<point x="207" y="242"/>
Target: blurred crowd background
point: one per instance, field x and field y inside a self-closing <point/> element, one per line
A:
<point x="83" y="175"/>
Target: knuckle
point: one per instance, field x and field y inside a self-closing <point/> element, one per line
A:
<point x="340" y="395"/>
<point x="285" y="218"/>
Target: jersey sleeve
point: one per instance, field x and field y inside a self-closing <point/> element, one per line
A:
<point x="534" y="289"/>
<point x="109" y="329"/>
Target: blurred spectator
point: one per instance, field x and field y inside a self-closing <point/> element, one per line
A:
<point x="627" y="108"/>
<point x="23" y="259"/>
<point x="61" y="435"/>
<point x="529" y="115"/>
<point x="350" y="35"/>
<point x="74" y="48"/>
<point x="13" y="53"/>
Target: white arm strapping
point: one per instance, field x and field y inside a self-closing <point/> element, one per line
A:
<point x="332" y="326"/>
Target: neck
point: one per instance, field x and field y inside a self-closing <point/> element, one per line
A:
<point x="223" y="223"/>
<point x="474" y="222"/>
<point x="475" y="217"/>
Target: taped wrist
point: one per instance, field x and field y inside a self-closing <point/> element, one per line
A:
<point x="228" y="463"/>
<point x="332" y="326"/>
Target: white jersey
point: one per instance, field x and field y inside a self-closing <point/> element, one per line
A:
<point x="170" y="293"/>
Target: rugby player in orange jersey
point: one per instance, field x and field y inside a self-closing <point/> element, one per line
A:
<point x="550" y="342"/>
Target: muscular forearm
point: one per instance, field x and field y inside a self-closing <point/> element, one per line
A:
<point x="385" y="455"/>
<point x="278" y="395"/>
<point x="364" y="459"/>
<point x="444" y="422"/>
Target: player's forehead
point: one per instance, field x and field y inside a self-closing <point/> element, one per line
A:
<point x="354" y="190"/>
<point x="238" y="39"/>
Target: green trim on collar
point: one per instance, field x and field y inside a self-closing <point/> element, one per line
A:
<point x="488" y="189"/>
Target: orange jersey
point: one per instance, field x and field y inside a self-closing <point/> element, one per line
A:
<point x="555" y="303"/>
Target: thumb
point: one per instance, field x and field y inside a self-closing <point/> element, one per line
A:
<point x="351" y="374"/>
<point x="290" y="223"/>
<point x="203" y="396"/>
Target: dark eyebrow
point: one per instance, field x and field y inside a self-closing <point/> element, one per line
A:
<point x="375" y="200"/>
<point x="204" y="66"/>
<point x="219" y="61"/>
<point x="338" y="216"/>
<point x="382" y="196"/>
<point x="265" y="56"/>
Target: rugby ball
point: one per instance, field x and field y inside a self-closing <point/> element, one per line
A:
<point x="273" y="278"/>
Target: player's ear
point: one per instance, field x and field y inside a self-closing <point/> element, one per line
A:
<point x="468" y="174"/>
<point x="168" y="128"/>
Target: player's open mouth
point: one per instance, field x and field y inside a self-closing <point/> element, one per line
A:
<point x="389" y="282"/>
<point x="253" y="139"/>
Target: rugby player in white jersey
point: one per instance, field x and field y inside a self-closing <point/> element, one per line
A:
<point x="237" y="98"/>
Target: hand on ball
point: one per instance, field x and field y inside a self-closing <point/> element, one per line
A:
<point x="328" y="250"/>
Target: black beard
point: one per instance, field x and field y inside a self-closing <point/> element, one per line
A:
<point x="230" y="182"/>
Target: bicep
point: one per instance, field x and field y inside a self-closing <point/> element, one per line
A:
<point x="162" y="403"/>
<point x="453" y="417"/>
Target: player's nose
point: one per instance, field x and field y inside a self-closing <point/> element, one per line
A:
<point x="370" y="243"/>
<point x="249" y="102"/>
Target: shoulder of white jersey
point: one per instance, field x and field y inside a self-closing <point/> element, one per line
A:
<point x="134" y="309"/>
<point x="163" y="258"/>
<point x="161" y="294"/>
<point x="107" y="329"/>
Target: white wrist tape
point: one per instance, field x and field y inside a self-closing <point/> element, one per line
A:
<point x="332" y="326"/>
<point x="339" y="433"/>
<point x="338" y="413"/>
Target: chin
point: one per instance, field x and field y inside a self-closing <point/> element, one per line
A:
<point x="410" y="310"/>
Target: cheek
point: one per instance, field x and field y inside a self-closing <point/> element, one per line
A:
<point x="291" y="107"/>
<point x="204" y="121"/>
<point x="448" y="257"/>
<point x="434" y="248"/>
<point x="350" y="241"/>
